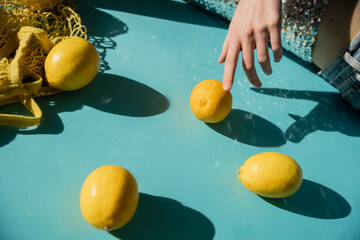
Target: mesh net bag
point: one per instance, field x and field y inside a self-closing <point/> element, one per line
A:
<point x="8" y="40"/>
<point x="40" y="4"/>
<point x="28" y="31"/>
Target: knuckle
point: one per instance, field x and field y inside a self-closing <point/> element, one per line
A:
<point x="227" y="77"/>
<point x="276" y="48"/>
<point x="274" y="23"/>
<point x="230" y="61"/>
<point x="248" y="66"/>
<point x="263" y="58"/>
<point x="260" y="28"/>
<point x="248" y="32"/>
<point x="234" y="41"/>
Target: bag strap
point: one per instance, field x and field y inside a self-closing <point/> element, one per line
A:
<point x="20" y="120"/>
<point x="23" y="92"/>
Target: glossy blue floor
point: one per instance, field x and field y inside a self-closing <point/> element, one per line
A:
<point x="136" y="114"/>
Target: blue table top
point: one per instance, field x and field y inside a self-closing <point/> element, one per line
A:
<point x="136" y="114"/>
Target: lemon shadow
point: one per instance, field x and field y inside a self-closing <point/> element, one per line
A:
<point x="314" y="200"/>
<point x="7" y="135"/>
<point x="109" y="93"/>
<point x="122" y="96"/>
<point x="164" y="218"/>
<point x="248" y="128"/>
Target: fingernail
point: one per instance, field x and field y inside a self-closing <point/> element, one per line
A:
<point x="258" y="84"/>
<point x="227" y="86"/>
<point x="277" y="59"/>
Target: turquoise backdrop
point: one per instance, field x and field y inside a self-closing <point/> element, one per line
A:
<point x="136" y="114"/>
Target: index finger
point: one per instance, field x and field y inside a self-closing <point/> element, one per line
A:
<point x="231" y="60"/>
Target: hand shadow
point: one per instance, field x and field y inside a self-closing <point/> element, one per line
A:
<point x="314" y="200"/>
<point x="248" y="128"/>
<point x="107" y="92"/>
<point x="332" y="113"/>
<point x="163" y="218"/>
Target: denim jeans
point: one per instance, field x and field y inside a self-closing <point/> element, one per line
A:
<point x="344" y="73"/>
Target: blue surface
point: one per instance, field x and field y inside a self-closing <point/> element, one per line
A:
<point x="136" y="114"/>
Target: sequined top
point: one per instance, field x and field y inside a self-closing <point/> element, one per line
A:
<point x="300" y="19"/>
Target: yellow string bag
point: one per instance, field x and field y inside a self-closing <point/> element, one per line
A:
<point x="8" y="39"/>
<point x="22" y="77"/>
<point x="40" y="4"/>
<point x="21" y="82"/>
<point x="59" y="23"/>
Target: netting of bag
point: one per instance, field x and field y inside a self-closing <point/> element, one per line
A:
<point x="40" y="4"/>
<point x="59" y="22"/>
<point x="18" y="68"/>
<point x="8" y="40"/>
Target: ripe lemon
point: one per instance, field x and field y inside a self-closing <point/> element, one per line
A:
<point x="210" y="102"/>
<point x="271" y="174"/>
<point x="71" y="64"/>
<point x="109" y="197"/>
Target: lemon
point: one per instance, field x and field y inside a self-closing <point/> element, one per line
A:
<point x="71" y="64"/>
<point x="109" y="197"/>
<point x="209" y="102"/>
<point x="271" y="174"/>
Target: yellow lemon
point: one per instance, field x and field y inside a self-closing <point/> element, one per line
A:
<point x="71" y="64"/>
<point x="109" y="197"/>
<point x="271" y="174"/>
<point x="209" y="102"/>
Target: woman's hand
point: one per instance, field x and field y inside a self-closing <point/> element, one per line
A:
<point x="254" y="23"/>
